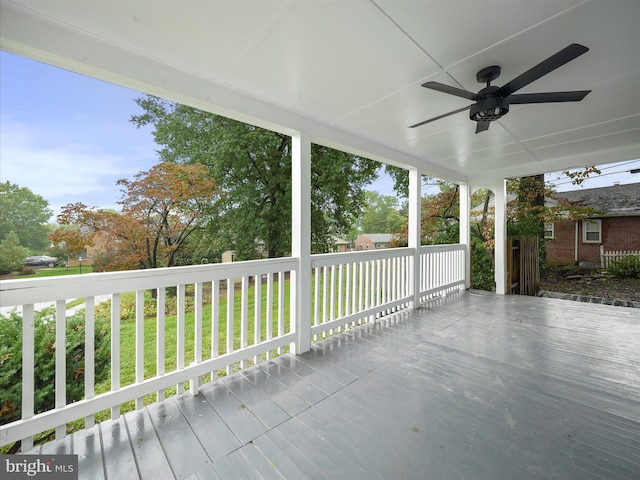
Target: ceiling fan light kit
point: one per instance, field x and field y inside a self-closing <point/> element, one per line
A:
<point x="492" y="102"/>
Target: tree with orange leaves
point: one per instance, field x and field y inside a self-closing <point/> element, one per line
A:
<point x="161" y="208"/>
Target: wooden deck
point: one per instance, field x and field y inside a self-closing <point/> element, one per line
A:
<point x="471" y="386"/>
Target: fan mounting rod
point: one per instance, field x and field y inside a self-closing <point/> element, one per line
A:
<point x="488" y="74"/>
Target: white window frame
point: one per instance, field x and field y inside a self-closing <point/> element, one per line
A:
<point x="549" y="227"/>
<point x="598" y="230"/>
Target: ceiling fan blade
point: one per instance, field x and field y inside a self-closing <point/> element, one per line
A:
<point x="458" y="92"/>
<point x="482" y="126"/>
<point x="441" y="116"/>
<point x="546" y="66"/>
<point x="548" y="97"/>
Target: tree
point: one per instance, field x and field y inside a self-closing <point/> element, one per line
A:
<point x="12" y="253"/>
<point x="26" y="214"/>
<point x="381" y="214"/>
<point x="161" y="208"/>
<point x="253" y="167"/>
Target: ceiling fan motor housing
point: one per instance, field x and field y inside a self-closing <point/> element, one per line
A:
<point x="489" y="109"/>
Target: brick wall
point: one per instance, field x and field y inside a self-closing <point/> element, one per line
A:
<point x="364" y="243"/>
<point x="618" y="233"/>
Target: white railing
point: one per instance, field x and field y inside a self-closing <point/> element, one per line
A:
<point x="226" y="317"/>
<point x="229" y="345"/>
<point x="355" y="287"/>
<point x="609" y="258"/>
<point x="442" y="270"/>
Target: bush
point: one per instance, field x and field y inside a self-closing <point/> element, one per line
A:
<point x="483" y="277"/>
<point x="27" y="271"/>
<point x="45" y="350"/>
<point x="627" y="267"/>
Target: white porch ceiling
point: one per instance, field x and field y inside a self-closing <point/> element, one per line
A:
<point x="349" y="72"/>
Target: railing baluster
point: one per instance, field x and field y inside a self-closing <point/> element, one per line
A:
<point x="215" y="323"/>
<point x="340" y="292"/>
<point x="244" y="317"/>
<point x="361" y="289"/>
<point x="316" y="299"/>
<point x="28" y="369"/>
<point x="281" y="278"/>
<point x="61" y="362"/>
<point x="160" y="338"/>
<point x="325" y="296"/>
<point x="230" y="332"/>
<point x="180" y="334"/>
<point x="115" y="350"/>
<point x="269" y="306"/>
<point x="257" y="313"/>
<point x="139" y="343"/>
<point x="89" y="355"/>
<point x="197" y="335"/>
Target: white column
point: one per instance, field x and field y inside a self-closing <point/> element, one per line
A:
<point x="301" y="240"/>
<point x="414" y="230"/>
<point x="500" y="190"/>
<point x="465" y="230"/>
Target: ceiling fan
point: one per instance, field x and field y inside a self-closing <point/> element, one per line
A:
<point x="493" y="102"/>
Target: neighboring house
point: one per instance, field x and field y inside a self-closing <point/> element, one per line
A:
<point x="340" y="244"/>
<point x="617" y="229"/>
<point x="89" y="253"/>
<point x="373" y="241"/>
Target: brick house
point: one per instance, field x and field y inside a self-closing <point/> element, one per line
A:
<point x="617" y="229"/>
<point x="373" y="241"/>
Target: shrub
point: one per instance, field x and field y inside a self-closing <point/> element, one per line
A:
<point x="45" y="350"/>
<point x="628" y="267"/>
<point x="482" y="267"/>
<point x="27" y="271"/>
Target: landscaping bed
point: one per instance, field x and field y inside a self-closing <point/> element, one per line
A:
<point x="590" y="284"/>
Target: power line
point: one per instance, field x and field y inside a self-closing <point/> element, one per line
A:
<point x="592" y="178"/>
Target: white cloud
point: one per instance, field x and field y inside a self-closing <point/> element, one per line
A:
<point x="62" y="169"/>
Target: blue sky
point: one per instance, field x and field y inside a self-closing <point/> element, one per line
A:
<point x="68" y="137"/>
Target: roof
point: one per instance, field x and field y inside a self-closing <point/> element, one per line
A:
<point x="349" y="73"/>
<point x="617" y="200"/>
<point x="379" y="237"/>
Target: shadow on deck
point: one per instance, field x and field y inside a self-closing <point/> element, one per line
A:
<point x="470" y="386"/>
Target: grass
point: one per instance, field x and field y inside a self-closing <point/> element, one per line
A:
<point x="50" y="272"/>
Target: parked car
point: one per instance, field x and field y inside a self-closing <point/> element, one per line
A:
<point x="42" y="261"/>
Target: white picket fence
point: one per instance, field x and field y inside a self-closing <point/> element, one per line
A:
<point x="347" y="289"/>
<point x="609" y="258"/>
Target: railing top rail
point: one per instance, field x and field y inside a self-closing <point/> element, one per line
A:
<point x="450" y="247"/>
<point x="19" y="292"/>
<point x="326" y="259"/>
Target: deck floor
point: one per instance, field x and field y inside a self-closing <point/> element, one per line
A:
<point x="472" y="386"/>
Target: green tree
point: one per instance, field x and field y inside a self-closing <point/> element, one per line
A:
<point x="253" y="168"/>
<point x="26" y="214"/>
<point x="12" y="253"/>
<point x="381" y="214"/>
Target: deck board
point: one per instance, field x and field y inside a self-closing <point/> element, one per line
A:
<point x="469" y="386"/>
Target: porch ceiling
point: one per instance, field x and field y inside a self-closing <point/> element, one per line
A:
<point x="349" y="72"/>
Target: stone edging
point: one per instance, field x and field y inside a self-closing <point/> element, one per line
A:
<point x="589" y="299"/>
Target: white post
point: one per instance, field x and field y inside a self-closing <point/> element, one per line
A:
<point x="301" y="240"/>
<point x="500" y="190"/>
<point x="414" y="231"/>
<point x="465" y="230"/>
